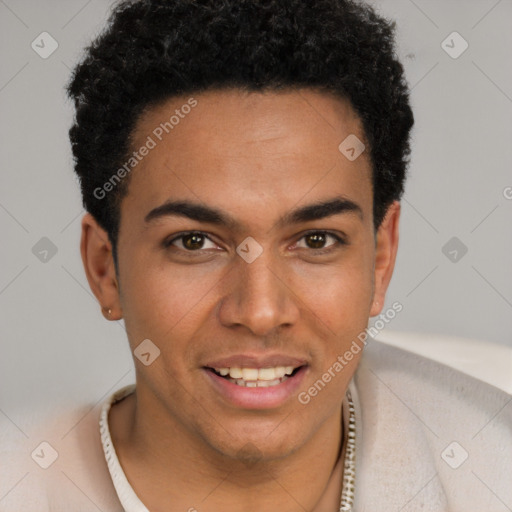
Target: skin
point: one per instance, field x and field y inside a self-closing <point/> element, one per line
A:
<point x="256" y="157"/>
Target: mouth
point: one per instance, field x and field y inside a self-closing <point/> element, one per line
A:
<point x="251" y="384"/>
<point x="256" y="377"/>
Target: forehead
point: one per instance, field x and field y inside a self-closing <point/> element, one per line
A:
<point x="241" y="150"/>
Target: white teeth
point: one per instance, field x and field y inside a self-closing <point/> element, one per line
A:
<point x="258" y="383"/>
<point x="256" y="377"/>
<point x="280" y="372"/>
<point x="268" y="383"/>
<point x="267" y="373"/>
<point x="235" y="373"/>
<point x="250" y="374"/>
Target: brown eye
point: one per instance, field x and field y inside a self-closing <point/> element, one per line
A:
<point x="318" y="239"/>
<point x="190" y="242"/>
<point x="193" y="241"/>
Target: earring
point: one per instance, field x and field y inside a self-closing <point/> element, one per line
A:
<point x="106" y="312"/>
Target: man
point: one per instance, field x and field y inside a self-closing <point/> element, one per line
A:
<point x="241" y="163"/>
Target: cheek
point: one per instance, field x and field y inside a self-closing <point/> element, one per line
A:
<point x="162" y="302"/>
<point x="345" y="310"/>
<point x="342" y="304"/>
<point x="341" y="294"/>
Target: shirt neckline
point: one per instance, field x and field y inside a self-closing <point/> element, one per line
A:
<point x="129" y="500"/>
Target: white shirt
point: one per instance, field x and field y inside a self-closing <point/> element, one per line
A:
<point x="129" y="500"/>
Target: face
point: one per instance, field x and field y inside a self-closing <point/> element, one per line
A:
<point x="248" y="256"/>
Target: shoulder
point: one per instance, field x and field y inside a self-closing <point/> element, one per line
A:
<point x="450" y="376"/>
<point x="53" y="460"/>
<point x="444" y="398"/>
<point x="426" y="423"/>
<point x="487" y="362"/>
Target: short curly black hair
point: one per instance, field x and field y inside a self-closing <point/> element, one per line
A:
<point x="152" y="50"/>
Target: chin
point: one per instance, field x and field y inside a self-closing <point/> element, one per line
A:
<point x="258" y="446"/>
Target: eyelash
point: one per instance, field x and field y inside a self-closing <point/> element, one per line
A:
<point x="340" y="241"/>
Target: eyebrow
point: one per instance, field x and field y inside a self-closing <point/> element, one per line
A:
<point x="210" y="215"/>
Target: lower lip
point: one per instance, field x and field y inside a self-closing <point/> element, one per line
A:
<point x="256" y="398"/>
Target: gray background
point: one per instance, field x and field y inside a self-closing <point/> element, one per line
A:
<point x="56" y="346"/>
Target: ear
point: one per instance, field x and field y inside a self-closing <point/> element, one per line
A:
<point x="98" y="260"/>
<point x="385" y="256"/>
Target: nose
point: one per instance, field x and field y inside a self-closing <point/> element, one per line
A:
<point x="259" y="297"/>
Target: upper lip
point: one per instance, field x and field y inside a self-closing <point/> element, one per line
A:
<point x="256" y="361"/>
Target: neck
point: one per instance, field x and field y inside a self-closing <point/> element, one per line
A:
<point x="185" y="471"/>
